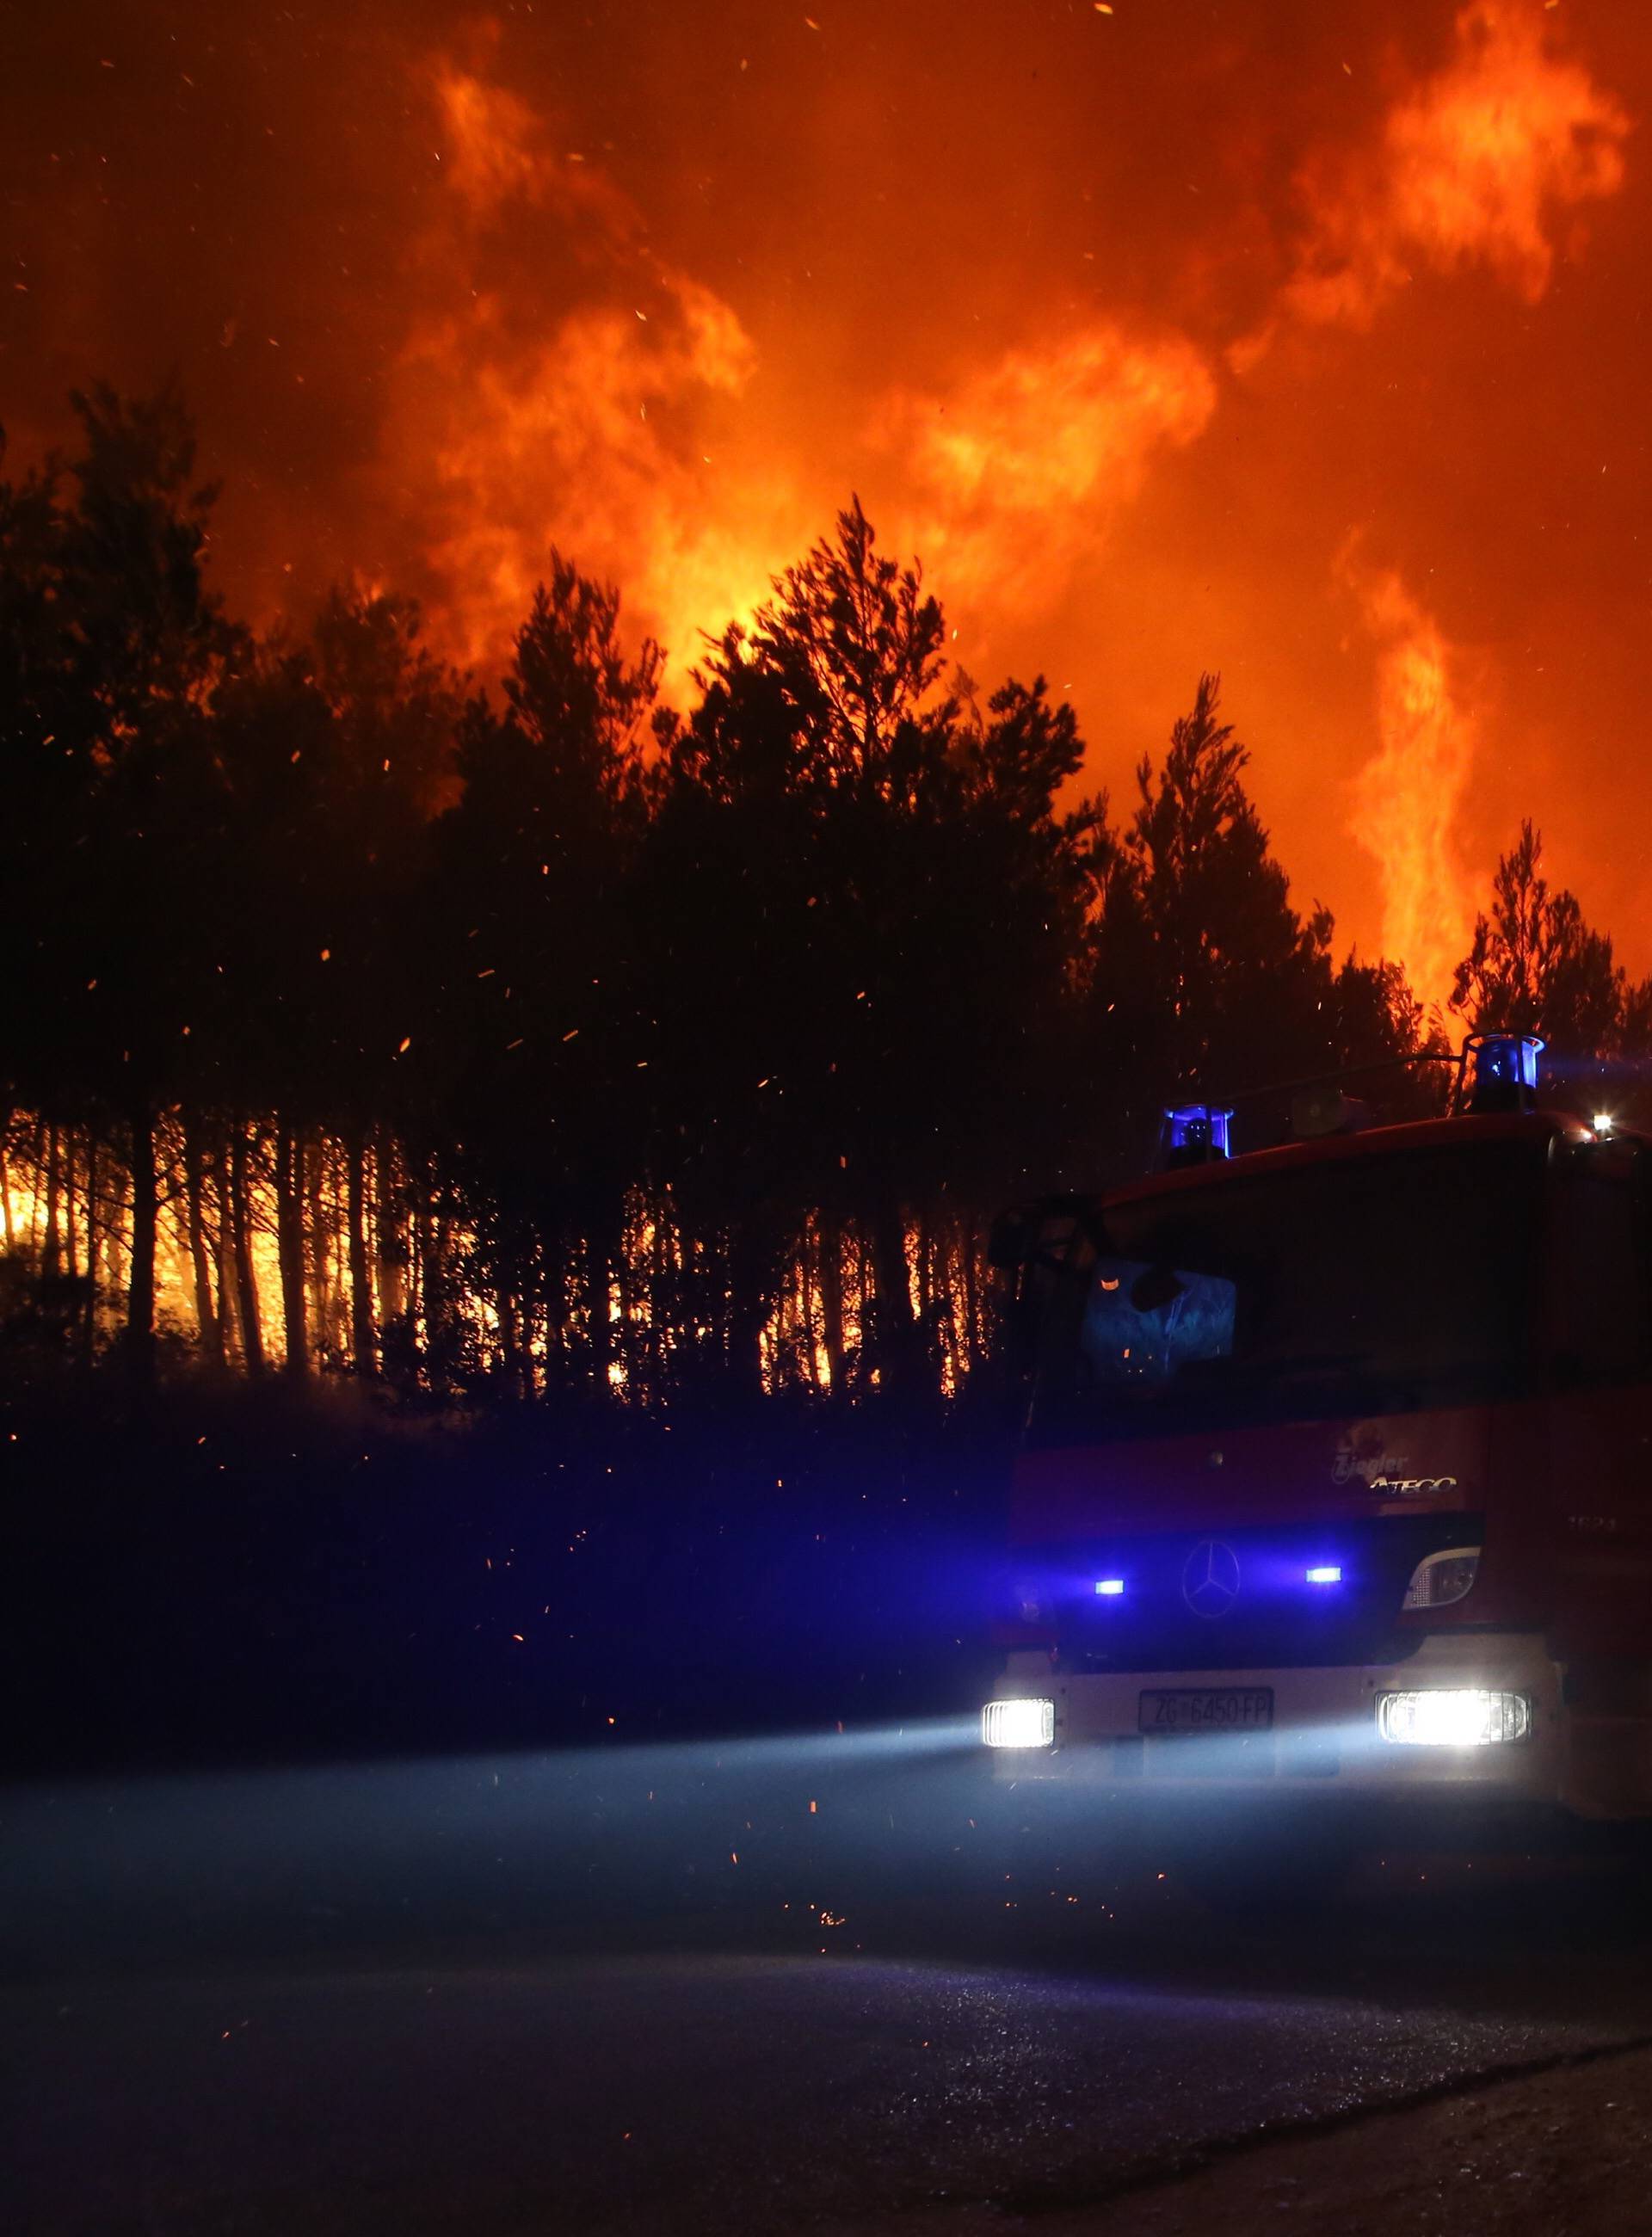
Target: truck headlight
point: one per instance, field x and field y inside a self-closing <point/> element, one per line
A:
<point x="1018" y="1723"/>
<point x="1443" y="1578"/>
<point x="1453" y="1717"/>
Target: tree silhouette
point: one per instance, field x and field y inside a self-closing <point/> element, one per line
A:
<point x="1206" y="981"/>
<point x="864" y="907"/>
<point x="856" y="649"/>
<point x="539" y="1024"/>
<point x="145" y="641"/>
<point x="1537" y="966"/>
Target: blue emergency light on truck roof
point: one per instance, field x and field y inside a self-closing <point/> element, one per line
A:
<point x="1505" y="1070"/>
<point x="1196" y="1134"/>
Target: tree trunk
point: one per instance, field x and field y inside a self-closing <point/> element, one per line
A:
<point x="420" y="1278"/>
<point x="747" y="1307"/>
<point x="6" y="1181"/>
<point x="831" y="1298"/>
<point x="597" y="1306"/>
<point x="223" y="1251"/>
<point x="393" y="1329"/>
<point x="89" y="1327"/>
<point x="37" y="1193"/>
<point x="972" y="1347"/>
<point x="666" y="1315"/>
<point x="289" y="1247"/>
<point x="51" y="1248"/>
<point x="312" y="1172"/>
<point x="892" y="1303"/>
<point x="362" y="1343"/>
<point x="509" y="1352"/>
<point x="624" y="1324"/>
<point x="431" y="1244"/>
<point x="809" y="1349"/>
<point x="140" y="1288"/>
<point x="212" y="1342"/>
<point x="72" y="1228"/>
<point x="553" y="1285"/>
<point x="252" y="1327"/>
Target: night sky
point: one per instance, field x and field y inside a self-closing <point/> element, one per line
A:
<point x="1304" y="342"/>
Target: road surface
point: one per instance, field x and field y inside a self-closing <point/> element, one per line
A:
<point x="656" y="1991"/>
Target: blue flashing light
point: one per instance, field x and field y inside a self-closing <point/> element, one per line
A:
<point x="1326" y="1573"/>
<point x="1196" y="1134"/>
<point x="1110" y="1587"/>
<point x="1505" y="1070"/>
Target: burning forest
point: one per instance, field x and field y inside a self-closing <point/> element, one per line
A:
<point x="550" y="1036"/>
<point x="825" y="1115"/>
<point x="513" y="885"/>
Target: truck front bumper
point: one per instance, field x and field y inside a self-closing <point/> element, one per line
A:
<point x="1325" y="1738"/>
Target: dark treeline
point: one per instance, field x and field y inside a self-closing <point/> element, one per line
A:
<point x="549" y="1038"/>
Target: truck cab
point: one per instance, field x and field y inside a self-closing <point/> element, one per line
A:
<point x="1337" y="1473"/>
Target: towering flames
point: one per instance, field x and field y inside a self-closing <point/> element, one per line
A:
<point x="508" y="426"/>
<point x="1125" y="322"/>
<point x="1408" y="797"/>
<point x="1021" y="468"/>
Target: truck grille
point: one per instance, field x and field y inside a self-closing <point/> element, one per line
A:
<point x="1241" y="1599"/>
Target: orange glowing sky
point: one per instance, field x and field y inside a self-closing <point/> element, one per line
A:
<point x="1299" y="340"/>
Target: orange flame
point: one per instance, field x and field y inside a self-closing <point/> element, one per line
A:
<point x="1022" y="465"/>
<point x="1408" y="796"/>
<point x="604" y="433"/>
<point x="1473" y="167"/>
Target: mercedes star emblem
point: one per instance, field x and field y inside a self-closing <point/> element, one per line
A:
<point x="1210" y="1578"/>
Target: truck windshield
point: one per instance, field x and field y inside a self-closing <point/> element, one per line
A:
<point x="1385" y="1282"/>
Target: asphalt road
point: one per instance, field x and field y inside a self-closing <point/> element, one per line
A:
<point x="655" y="1992"/>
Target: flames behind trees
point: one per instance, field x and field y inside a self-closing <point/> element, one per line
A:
<point x="1126" y="323"/>
<point x="556" y="1036"/>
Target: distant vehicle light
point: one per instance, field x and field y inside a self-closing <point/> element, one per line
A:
<point x="1453" y="1717"/>
<point x="1602" y="1122"/>
<point x="1441" y="1578"/>
<point x="1326" y="1573"/>
<point x="1110" y="1587"/>
<point x="1029" y="1724"/>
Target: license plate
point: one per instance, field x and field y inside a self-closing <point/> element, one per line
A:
<point x="1207" y="1709"/>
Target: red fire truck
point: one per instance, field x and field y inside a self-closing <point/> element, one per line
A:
<point x="1338" y="1471"/>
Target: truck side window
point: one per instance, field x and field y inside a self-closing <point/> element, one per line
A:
<point x="1604" y="1309"/>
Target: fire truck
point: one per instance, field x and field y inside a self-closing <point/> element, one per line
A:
<point x="1337" y="1472"/>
